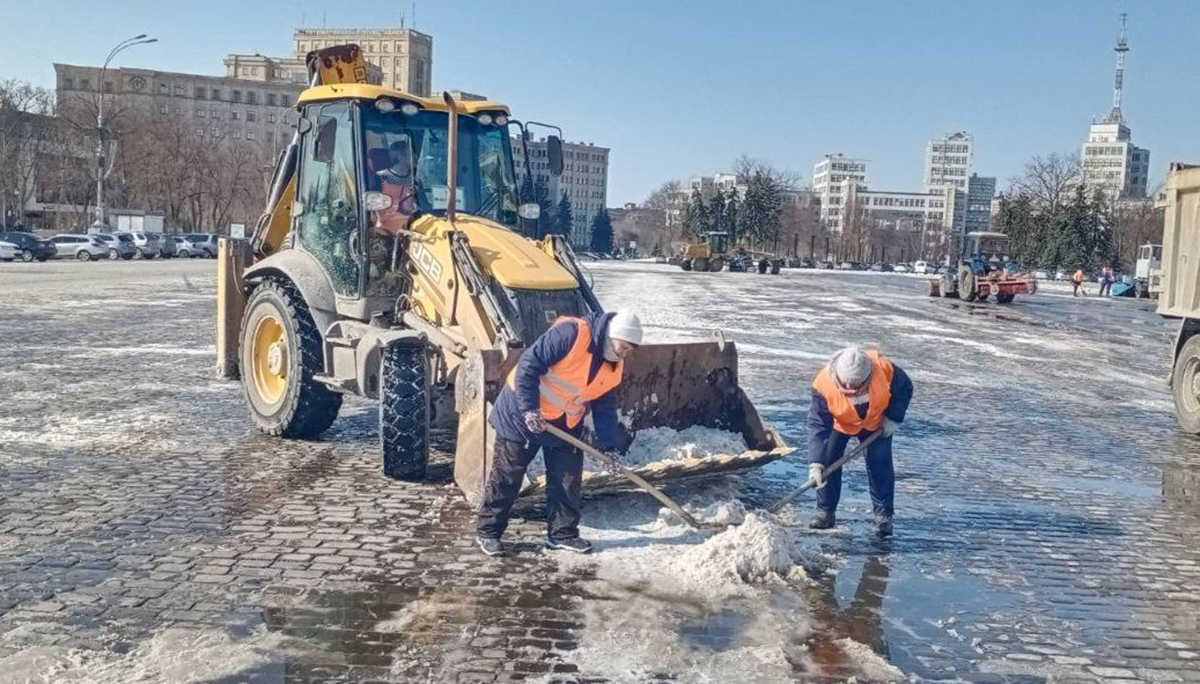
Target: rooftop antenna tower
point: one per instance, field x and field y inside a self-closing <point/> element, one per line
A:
<point x="1121" y="49"/>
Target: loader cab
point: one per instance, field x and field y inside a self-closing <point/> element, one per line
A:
<point x="719" y="241"/>
<point x="986" y="252"/>
<point x="368" y="166"/>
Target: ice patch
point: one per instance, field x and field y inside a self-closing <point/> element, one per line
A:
<point x="172" y="655"/>
<point x="874" y="668"/>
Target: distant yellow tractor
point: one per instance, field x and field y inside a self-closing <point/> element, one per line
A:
<point x="710" y="255"/>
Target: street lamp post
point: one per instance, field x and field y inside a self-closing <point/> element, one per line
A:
<point x="101" y="170"/>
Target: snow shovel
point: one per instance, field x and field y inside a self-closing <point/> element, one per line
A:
<point x="607" y="461"/>
<point x="832" y="467"/>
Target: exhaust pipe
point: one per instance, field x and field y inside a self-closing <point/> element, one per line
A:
<point x="451" y="157"/>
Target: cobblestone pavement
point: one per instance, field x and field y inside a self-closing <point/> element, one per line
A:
<point x="1048" y="507"/>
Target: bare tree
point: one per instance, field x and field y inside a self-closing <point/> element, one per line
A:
<point x="25" y="120"/>
<point x="746" y="167"/>
<point x="1049" y="181"/>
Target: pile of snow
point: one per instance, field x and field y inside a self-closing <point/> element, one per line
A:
<point x="757" y="549"/>
<point x="665" y="445"/>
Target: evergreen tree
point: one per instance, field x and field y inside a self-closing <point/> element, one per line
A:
<point x="695" y="218"/>
<point x="761" y="212"/>
<point x="716" y="213"/>
<point x="602" y="233"/>
<point x="541" y="195"/>
<point x="564" y="216"/>
<point x="731" y="217"/>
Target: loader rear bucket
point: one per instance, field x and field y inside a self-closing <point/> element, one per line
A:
<point x="664" y="385"/>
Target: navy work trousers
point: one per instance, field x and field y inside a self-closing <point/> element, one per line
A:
<point x="880" y="475"/>
<point x="564" y="479"/>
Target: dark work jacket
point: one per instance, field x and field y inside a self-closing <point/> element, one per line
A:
<point x="508" y="415"/>
<point x="820" y="420"/>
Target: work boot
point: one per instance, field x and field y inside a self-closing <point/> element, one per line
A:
<point x="883" y="526"/>
<point x="574" y="544"/>
<point x="492" y="547"/>
<point x="823" y="520"/>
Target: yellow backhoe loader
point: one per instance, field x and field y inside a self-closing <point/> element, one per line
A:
<point x="391" y="263"/>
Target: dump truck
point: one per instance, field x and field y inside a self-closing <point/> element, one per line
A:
<point x="392" y="263"/>
<point x="985" y="269"/>
<point x="1147" y="272"/>
<point x="1180" y="294"/>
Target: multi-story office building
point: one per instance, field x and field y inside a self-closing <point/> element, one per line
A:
<point x="255" y="110"/>
<point x="832" y="176"/>
<point x="977" y="214"/>
<point x="948" y="162"/>
<point x="584" y="180"/>
<point x="403" y="55"/>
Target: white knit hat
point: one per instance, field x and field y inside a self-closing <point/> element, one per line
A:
<point x="626" y="326"/>
<point x="851" y="367"/>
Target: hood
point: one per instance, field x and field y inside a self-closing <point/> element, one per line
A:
<point x="598" y="324"/>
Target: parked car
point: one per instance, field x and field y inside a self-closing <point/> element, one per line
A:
<point x="166" y="245"/>
<point x="8" y="251"/>
<point x="185" y="249"/>
<point x="1061" y="275"/>
<point x="79" y="246"/>
<point x="146" y="243"/>
<point x="1041" y="275"/>
<point x="922" y="267"/>
<point x="119" y="246"/>
<point x="826" y="265"/>
<point x="901" y="268"/>
<point x="30" y="246"/>
<point x="882" y="267"/>
<point x="204" y="243"/>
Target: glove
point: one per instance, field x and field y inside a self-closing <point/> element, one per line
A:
<point x="534" y="422"/>
<point x="816" y="474"/>
<point x="889" y="427"/>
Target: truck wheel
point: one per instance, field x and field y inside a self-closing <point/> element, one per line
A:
<point x="686" y="264"/>
<point x="404" y="411"/>
<point x="280" y="352"/>
<point x="1185" y="386"/>
<point x="716" y="265"/>
<point x="966" y="284"/>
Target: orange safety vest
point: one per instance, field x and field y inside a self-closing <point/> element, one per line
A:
<point x="845" y="415"/>
<point x="1078" y="277"/>
<point x="565" y="389"/>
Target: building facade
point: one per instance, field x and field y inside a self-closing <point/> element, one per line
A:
<point x="404" y="56"/>
<point x="977" y="215"/>
<point x="948" y="162"/>
<point x="260" y="112"/>
<point x="1110" y="160"/>
<point x="584" y="180"/>
<point x="832" y="176"/>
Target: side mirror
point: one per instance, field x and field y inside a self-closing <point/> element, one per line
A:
<point x="529" y="212"/>
<point x="554" y="155"/>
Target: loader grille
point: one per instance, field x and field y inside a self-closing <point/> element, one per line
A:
<point x="532" y="311"/>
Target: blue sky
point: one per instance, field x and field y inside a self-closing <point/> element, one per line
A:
<point x="678" y="89"/>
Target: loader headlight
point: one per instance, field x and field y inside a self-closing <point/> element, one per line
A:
<point x="501" y="120"/>
<point x="385" y="105"/>
<point x="376" y="201"/>
<point x="409" y="109"/>
<point x="485" y="119"/>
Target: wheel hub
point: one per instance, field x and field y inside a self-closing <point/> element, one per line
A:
<point x="275" y="358"/>
<point x="269" y="360"/>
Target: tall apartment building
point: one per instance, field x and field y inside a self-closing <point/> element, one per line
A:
<point x="977" y="214"/>
<point x="832" y="175"/>
<point x="948" y="161"/>
<point x="403" y="55"/>
<point x="584" y="179"/>
<point x="1111" y="162"/>
<point x="257" y="110"/>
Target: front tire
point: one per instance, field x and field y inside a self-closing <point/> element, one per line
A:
<point x="113" y="255"/>
<point x="138" y="255"/>
<point x="280" y="352"/>
<point x="716" y="265"/>
<point x="84" y="255"/>
<point x="26" y="256"/>
<point x="404" y="411"/>
<point x="1185" y="386"/>
<point x="966" y="284"/>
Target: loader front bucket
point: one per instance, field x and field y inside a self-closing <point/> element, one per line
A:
<point x="663" y="385"/>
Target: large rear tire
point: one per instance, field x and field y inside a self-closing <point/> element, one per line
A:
<point x="1185" y="386"/>
<point x="686" y="264"/>
<point x="280" y="352"/>
<point x="966" y="284"/>
<point x="716" y="264"/>
<point x="404" y="411"/>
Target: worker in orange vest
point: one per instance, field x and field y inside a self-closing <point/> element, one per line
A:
<point x="1077" y="282"/>
<point x="571" y="369"/>
<point x="857" y="393"/>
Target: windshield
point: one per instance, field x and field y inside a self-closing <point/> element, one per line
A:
<point x="401" y="149"/>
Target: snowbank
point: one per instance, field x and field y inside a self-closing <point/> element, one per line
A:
<point x="755" y="550"/>
<point x="874" y="668"/>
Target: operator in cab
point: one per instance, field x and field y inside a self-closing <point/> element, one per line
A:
<point x="397" y="181"/>
<point x="858" y="393"/>
<point x="573" y="368"/>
